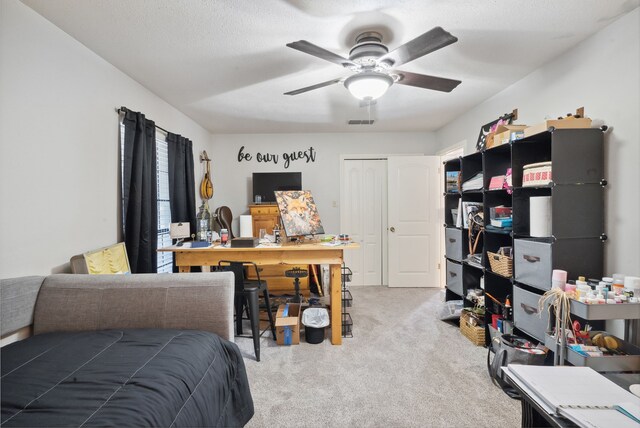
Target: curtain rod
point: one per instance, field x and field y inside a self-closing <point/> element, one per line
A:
<point x="124" y="109"/>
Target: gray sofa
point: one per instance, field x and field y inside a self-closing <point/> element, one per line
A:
<point x="159" y="347"/>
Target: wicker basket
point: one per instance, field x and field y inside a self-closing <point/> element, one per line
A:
<point x="537" y="174"/>
<point x="500" y="264"/>
<point x="472" y="332"/>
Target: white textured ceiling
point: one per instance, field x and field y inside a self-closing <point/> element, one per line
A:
<point x="225" y="63"/>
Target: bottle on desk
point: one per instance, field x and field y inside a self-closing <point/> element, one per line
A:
<point x="276" y="234"/>
<point x="618" y="284"/>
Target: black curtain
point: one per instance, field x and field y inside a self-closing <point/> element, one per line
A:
<point x="181" y="181"/>
<point x="139" y="192"/>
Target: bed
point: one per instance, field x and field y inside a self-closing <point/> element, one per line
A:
<point x="103" y="364"/>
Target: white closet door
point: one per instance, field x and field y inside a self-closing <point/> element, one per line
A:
<point x="374" y="189"/>
<point x="351" y="215"/>
<point x="414" y="222"/>
<point x="362" y="204"/>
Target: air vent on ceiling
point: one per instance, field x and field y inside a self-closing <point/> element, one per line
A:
<point x="360" y="122"/>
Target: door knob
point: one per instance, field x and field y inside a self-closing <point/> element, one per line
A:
<point x="393" y="229"/>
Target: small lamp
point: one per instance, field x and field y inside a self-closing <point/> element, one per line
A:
<point x="179" y="231"/>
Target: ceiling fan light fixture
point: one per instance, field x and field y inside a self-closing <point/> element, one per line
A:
<point x="368" y="85"/>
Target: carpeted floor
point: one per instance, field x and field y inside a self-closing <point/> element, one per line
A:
<point x="402" y="368"/>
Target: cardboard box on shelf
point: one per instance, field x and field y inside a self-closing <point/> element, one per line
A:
<point x="507" y="133"/>
<point x="566" y="123"/>
<point x="488" y="142"/>
<point x="288" y="324"/>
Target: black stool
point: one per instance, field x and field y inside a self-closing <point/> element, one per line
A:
<point x="247" y="293"/>
<point x="296" y="273"/>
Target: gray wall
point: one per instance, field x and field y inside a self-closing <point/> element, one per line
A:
<point x="59" y="143"/>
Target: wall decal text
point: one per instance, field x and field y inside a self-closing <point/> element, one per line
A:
<point x="308" y="155"/>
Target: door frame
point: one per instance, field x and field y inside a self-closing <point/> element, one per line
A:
<point x="385" y="225"/>
<point x="445" y="154"/>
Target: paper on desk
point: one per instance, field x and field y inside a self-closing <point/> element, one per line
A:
<point x="331" y="244"/>
<point x="269" y="245"/>
<point x="186" y="246"/>
<point x="600" y="418"/>
<point x="579" y="394"/>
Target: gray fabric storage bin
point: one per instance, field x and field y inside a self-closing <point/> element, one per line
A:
<point x="454" y="248"/>
<point x="532" y="264"/>
<point x="535" y="259"/>
<point x="454" y="278"/>
<point x="526" y="316"/>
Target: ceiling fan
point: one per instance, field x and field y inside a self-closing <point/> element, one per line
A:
<point x="374" y="66"/>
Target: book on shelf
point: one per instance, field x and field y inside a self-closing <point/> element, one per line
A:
<point x="501" y="216"/>
<point x="579" y="394"/>
<point x="502" y="222"/>
<point x="497" y="182"/>
<point x="500" y="212"/>
<point x="469" y="208"/>
<point x="453" y="181"/>
<point x="474" y="183"/>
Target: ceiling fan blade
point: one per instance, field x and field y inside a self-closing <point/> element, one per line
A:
<point x="425" y="81"/>
<point x="430" y="41"/>
<point x="312" y="87"/>
<point x="311" y="49"/>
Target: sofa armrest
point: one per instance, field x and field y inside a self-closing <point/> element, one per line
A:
<point x="17" y="300"/>
<point x="191" y="301"/>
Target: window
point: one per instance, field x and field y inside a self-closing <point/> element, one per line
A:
<point x="165" y="259"/>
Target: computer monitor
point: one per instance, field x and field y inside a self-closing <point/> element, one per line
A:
<point x="266" y="183"/>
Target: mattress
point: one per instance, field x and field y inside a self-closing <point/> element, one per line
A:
<point x="121" y="378"/>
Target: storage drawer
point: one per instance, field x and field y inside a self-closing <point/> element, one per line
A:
<point x="526" y="316"/>
<point x="454" y="245"/>
<point x="276" y="280"/>
<point x="533" y="263"/>
<point x="454" y="278"/>
<point x="267" y="271"/>
<point x="267" y="209"/>
<point x="535" y="259"/>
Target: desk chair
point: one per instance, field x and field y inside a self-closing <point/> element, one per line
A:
<point x="246" y="295"/>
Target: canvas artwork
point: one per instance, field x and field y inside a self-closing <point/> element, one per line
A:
<point x="299" y="213"/>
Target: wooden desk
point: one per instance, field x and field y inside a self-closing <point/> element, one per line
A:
<point x="267" y="217"/>
<point x="290" y="254"/>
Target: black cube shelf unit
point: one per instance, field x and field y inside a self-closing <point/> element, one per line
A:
<point x="577" y="221"/>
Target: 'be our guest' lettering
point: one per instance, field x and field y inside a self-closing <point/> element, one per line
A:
<point x="308" y="155"/>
